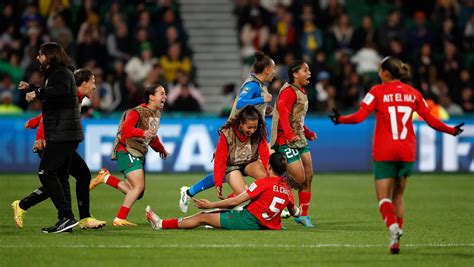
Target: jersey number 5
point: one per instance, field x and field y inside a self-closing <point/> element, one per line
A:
<point x="406" y="111"/>
<point x="275" y="201"/>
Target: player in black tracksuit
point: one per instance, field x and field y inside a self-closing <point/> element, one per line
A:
<point x="85" y="82"/>
<point x="62" y="129"/>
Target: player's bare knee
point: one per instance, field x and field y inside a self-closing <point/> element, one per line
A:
<point x="141" y="194"/>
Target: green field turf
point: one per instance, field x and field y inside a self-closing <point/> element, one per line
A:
<point x="439" y="228"/>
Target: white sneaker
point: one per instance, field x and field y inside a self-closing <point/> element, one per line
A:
<point x="153" y="218"/>
<point x="285" y="214"/>
<point x="395" y="236"/>
<point x="184" y="199"/>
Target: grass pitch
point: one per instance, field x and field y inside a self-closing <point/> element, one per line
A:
<point x="438" y="231"/>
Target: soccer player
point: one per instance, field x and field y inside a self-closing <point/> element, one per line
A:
<point x="268" y="197"/>
<point x="85" y="82"/>
<point x="394" y="143"/>
<point x="241" y="150"/>
<point x="253" y="92"/>
<point x="137" y="130"/>
<point x="290" y="135"/>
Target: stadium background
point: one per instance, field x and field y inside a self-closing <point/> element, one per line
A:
<point x="217" y="38"/>
<point x="202" y="51"/>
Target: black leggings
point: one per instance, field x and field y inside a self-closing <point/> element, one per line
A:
<point x="79" y="170"/>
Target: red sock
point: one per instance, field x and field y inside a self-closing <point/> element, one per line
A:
<point x="304" y="198"/>
<point x="400" y="222"/>
<point x="170" y="224"/>
<point x="231" y="195"/>
<point x="388" y="211"/>
<point x="123" y="212"/>
<point x="112" y="181"/>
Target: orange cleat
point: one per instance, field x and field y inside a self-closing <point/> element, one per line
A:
<point x="99" y="179"/>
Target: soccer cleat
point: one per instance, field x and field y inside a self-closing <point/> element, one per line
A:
<point x="395" y="236"/>
<point x="99" y="179"/>
<point x="63" y="225"/>
<point x="305" y="221"/>
<point x="18" y="213"/>
<point x="121" y="222"/>
<point x="285" y="214"/>
<point x="91" y="223"/>
<point x="184" y="199"/>
<point x="153" y="218"/>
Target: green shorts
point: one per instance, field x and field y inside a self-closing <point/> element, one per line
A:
<point x="239" y="220"/>
<point x="292" y="154"/>
<point x="128" y="163"/>
<point x="392" y="169"/>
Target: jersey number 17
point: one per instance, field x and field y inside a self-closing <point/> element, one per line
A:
<point x="406" y="111"/>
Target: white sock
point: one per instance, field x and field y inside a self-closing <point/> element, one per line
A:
<point x="106" y="178"/>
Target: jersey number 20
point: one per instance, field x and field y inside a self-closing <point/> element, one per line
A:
<point x="406" y="111"/>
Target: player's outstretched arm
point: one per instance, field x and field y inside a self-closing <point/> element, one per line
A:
<point x="353" y="118"/>
<point x="226" y="203"/>
<point x="438" y="125"/>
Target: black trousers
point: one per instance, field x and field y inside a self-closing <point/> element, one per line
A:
<point x="80" y="171"/>
<point x="54" y="175"/>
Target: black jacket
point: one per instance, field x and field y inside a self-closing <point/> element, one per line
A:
<point x="61" y="111"/>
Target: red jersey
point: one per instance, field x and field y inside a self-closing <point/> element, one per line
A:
<point x="269" y="196"/>
<point x="286" y="100"/>
<point x="222" y="153"/>
<point x="129" y="130"/>
<point x="394" y="103"/>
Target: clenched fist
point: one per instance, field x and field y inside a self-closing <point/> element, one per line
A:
<point x="23" y="85"/>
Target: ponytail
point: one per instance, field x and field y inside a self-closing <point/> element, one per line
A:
<point x="261" y="62"/>
<point x="396" y="68"/>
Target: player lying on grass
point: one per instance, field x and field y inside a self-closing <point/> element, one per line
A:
<point x="394" y="144"/>
<point x="268" y="197"/>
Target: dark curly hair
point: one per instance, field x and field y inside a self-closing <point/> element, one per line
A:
<point x="249" y="113"/>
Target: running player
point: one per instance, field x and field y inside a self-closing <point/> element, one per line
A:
<point x="268" y="197"/>
<point x="137" y="130"/>
<point x="394" y="143"/>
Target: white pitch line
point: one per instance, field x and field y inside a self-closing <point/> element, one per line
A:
<point x="313" y="246"/>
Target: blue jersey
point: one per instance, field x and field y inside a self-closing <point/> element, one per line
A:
<point x="250" y="94"/>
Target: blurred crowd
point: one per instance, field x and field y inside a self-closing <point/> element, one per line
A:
<point x="132" y="44"/>
<point x="128" y="44"/>
<point x="344" y="42"/>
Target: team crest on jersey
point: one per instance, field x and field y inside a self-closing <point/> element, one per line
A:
<point x="245" y="90"/>
<point x="252" y="187"/>
<point x="368" y="98"/>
